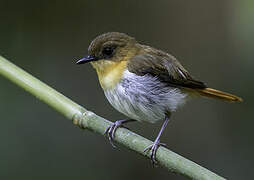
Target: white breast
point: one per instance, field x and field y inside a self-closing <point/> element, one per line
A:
<point x="144" y="98"/>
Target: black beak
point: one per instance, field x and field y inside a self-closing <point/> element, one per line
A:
<point x="86" y="60"/>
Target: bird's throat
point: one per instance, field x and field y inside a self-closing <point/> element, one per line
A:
<point x="109" y="72"/>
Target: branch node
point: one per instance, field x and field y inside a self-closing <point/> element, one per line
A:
<point x="78" y="120"/>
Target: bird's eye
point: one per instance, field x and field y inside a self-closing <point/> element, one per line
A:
<point x="108" y="51"/>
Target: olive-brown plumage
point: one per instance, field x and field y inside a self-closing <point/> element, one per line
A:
<point x="144" y="83"/>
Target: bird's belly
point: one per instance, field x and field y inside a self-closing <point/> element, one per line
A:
<point x="144" y="98"/>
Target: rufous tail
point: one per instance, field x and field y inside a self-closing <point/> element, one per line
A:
<point x="213" y="93"/>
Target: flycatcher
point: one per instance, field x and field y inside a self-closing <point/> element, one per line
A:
<point x="143" y="83"/>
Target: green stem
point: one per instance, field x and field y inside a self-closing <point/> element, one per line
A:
<point x="91" y="121"/>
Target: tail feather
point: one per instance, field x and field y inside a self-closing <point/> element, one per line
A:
<point x="213" y="93"/>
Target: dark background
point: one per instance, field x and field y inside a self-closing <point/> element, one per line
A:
<point x="212" y="39"/>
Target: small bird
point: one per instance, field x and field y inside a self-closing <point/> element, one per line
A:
<point x="143" y="83"/>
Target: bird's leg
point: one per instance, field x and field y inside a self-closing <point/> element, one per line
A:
<point x="154" y="147"/>
<point x="111" y="130"/>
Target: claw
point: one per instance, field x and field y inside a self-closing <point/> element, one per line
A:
<point x="114" y="131"/>
<point x="153" y="148"/>
<point x="110" y="133"/>
<point x="111" y="129"/>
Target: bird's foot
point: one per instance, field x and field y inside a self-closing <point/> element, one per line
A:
<point x="111" y="130"/>
<point x="153" y="148"/>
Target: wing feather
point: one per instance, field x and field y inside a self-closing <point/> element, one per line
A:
<point x="164" y="66"/>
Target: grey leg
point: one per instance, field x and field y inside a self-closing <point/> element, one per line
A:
<point x="156" y="144"/>
<point x="111" y="130"/>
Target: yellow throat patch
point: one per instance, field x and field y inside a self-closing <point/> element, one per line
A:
<point x="109" y="72"/>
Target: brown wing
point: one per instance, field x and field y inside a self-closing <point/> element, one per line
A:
<point x="165" y="67"/>
<point x="170" y="71"/>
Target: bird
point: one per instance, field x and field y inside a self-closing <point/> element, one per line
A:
<point x="143" y="83"/>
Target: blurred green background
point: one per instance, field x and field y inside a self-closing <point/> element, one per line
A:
<point x="214" y="40"/>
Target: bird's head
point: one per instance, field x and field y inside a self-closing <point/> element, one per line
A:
<point x="110" y="48"/>
<point x="109" y="54"/>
